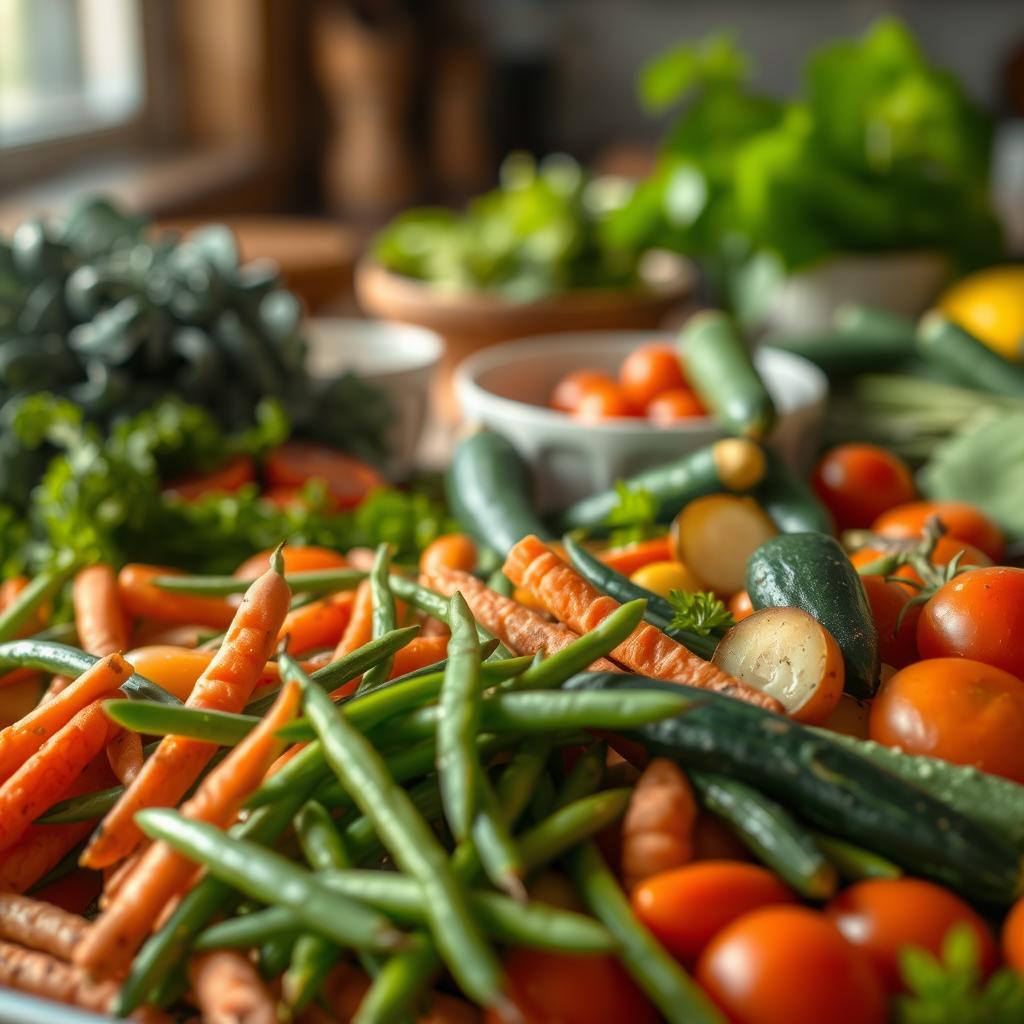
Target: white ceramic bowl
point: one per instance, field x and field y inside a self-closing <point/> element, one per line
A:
<point x="506" y="389"/>
<point x="399" y="359"/>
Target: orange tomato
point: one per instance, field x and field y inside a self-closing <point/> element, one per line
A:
<point x="673" y="406"/>
<point x="571" y="388"/>
<point x="604" y="400"/>
<point x="858" y="482"/>
<point x="449" y="551"/>
<point x="883" y="916"/>
<point x="1013" y="938"/>
<point x="978" y="614"/>
<point x="297" y="558"/>
<point x="232" y="476"/>
<point x="649" y="371"/>
<point x="687" y="907"/>
<point x="740" y="606"/>
<point x="790" y="965"/>
<point x="961" y="520"/>
<point x="897" y="637"/>
<point x="293" y="463"/>
<point x="559" y="988"/>
<point x="960" y="710"/>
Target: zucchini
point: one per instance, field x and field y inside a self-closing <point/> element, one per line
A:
<point x="790" y="503"/>
<point x="488" y="489"/>
<point x="822" y="781"/>
<point x="732" y="464"/>
<point x="771" y="833"/>
<point x="719" y="367"/>
<point x="658" y="613"/>
<point x="974" y="364"/>
<point x="810" y="571"/>
<point x="991" y="800"/>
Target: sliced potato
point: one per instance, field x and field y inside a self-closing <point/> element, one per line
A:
<point x="715" y="535"/>
<point x="789" y="655"/>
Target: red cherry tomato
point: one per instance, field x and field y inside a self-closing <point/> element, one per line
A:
<point x="674" y="406"/>
<point x="957" y="709"/>
<point x="1013" y="938"/>
<point x="687" y="907"/>
<point x="226" y="479"/>
<point x="293" y="463"/>
<point x="557" y="988"/>
<point x="740" y="605"/>
<point x="602" y="401"/>
<point x="895" y="621"/>
<point x="978" y="614"/>
<point x="858" y="482"/>
<point x="961" y="520"/>
<point x="571" y="388"/>
<point x="649" y="371"/>
<point x="790" y="965"/>
<point x="884" y="916"/>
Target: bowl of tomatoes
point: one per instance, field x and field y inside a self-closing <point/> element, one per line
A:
<point x="590" y="407"/>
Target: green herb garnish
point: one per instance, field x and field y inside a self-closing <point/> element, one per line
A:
<point x="700" y="613"/>
<point x="634" y="517"/>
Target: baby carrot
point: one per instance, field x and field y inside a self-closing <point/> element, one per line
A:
<point x="226" y="684"/>
<point x="297" y="558"/>
<point x="141" y="599"/>
<point x="41" y="926"/>
<point x="228" y="988"/>
<point x="635" y="556"/>
<point x="320" y="623"/>
<point x="359" y="630"/>
<point x="42" y="975"/>
<point x="124" y="753"/>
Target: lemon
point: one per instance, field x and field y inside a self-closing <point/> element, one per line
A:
<point x="990" y="304"/>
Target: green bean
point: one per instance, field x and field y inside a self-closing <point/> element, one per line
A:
<point x="36" y="592"/>
<point x="319" y="581"/>
<point x="459" y="722"/>
<point x="267" y="876"/>
<point x="854" y="862"/>
<point x="500" y="583"/>
<point x="493" y="843"/>
<point x="60" y="659"/>
<point x="543" y="798"/>
<point x="410" y="841"/>
<point x="383" y="617"/>
<point x="427" y="601"/>
<point x="519" y="779"/>
<point x="586" y="775"/>
<point x="250" y="930"/>
<point x="60" y="633"/>
<point x="361" y="836"/>
<point x="87" y="807"/>
<point x="275" y="955"/>
<point x="577" y="656"/>
<point x="391" y="999"/>
<point x="667" y="985"/>
<point x="221" y="727"/>
<point x="570" y="825"/>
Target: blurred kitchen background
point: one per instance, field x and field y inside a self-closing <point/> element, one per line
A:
<point x="325" y="117"/>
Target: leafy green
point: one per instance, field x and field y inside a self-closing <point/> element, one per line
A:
<point x="634" y="517"/>
<point x="699" y="612"/>
<point x="951" y="990"/>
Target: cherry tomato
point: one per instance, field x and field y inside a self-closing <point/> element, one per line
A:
<point x="885" y="915"/>
<point x="649" y="371"/>
<point x="348" y="480"/>
<point x="960" y="710"/>
<point x="603" y="400"/>
<point x="297" y="558"/>
<point x="558" y="988"/>
<point x="858" y="482"/>
<point x="662" y="578"/>
<point x="674" y="406"/>
<point x="449" y="551"/>
<point x="1013" y="938"/>
<point x="687" y="907"/>
<point x="850" y="717"/>
<point x="961" y="520"/>
<point x="790" y="965"/>
<point x="234" y="474"/>
<point x="740" y="605"/>
<point x="978" y="614"/>
<point x="945" y="550"/>
<point x="571" y="388"/>
<point x="897" y="636"/>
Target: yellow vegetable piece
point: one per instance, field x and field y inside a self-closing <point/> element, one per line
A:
<point x="990" y="305"/>
<point x="663" y="577"/>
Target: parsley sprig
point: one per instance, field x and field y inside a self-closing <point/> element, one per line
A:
<point x="634" y="517"/>
<point x="699" y="612"/>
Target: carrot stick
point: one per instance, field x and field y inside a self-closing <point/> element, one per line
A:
<point x="9" y="591"/>
<point x="124" y="752"/>
<point x="228" y="988"/>
<point x="419" y="652"/>
<point x="635" y="556"/>
<point x="359" y="630"/>
<point x="141" y="599"/>
<point x="572" y="600"/>
<point x="42" y="847"/>
<point x="318" y="624"/>
<point x="521" y="630"/>
<point x="116" y="875"/>
<point x="42" y="975"/>
<point x="47" y="775"/>
<point x="162" y="873"/>
<point x="26" y="736"/>
<point x="40" y="926"/>
<point x="226" y="685"/>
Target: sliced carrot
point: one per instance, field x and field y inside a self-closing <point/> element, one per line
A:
<point x="141" y="599"/>
<point x="40" y="974"/>
<point x="648" y="651"/>
<point x="300" y="558"/>
<point x="46" y="776"/>
<point x="359" y="630"/>
<point x="162" y="873"/>
<point x="124" y="753"/>
<point x="226" y="685"/>
<point x="520" y="629"/>
<point x="294" y="463"/>
<point x="24" y="737"/>
<point x="40" y="926"/>
<point x="227" y="987"/>
<point x="628" y="559"/>
<point x="231" y="476"/>
<point x="320" y="623"/>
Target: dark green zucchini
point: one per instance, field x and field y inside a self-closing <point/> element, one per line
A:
<point x="826" y="784"/>
<point x="790" y="503"/>
<point x="488" y="488"/>
<point x="658" y="612"/>
<point x="771" y="833"/>
<point x="732" y="464"/>
<point x="719" y="367"/>
<point x="810" y="571"/>
<point x="974" y="364"/>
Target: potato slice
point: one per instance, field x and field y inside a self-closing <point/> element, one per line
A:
<point x="788" y="654"/>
